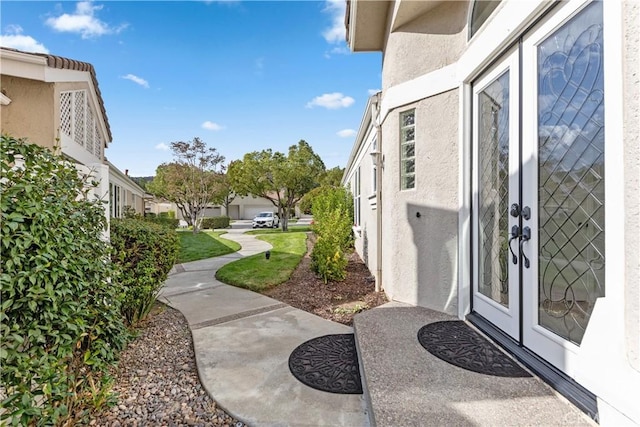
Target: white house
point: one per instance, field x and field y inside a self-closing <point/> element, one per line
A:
<point x="56" y="102"/>
<point x="496" y="177"/>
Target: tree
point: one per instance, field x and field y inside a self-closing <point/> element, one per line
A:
<point x="282" y="179"/>
<point x="192" y="181"/>
<point x="226" y="191"/>
<point x="332" y="177"/>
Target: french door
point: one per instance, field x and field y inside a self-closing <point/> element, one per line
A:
<point x="538" y="185"/>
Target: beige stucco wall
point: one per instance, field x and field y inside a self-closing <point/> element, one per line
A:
<point x="631" y="89"/>
<point x="428" y="43"/>
<point x="421" y="262"/>
<point x="30" y="113"/>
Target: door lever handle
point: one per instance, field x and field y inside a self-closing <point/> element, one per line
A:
<point x="515" y="233"/>
<point x="526" y="235"/>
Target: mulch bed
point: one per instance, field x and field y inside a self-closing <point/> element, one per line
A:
<point x="336" y="301"/>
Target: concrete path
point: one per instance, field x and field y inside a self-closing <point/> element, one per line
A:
<point x="242" y="343"/>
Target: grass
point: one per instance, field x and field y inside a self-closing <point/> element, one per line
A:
<point x="294" y="229"/>
<point x="205" y="244"/>
<point x="256" y="273"/>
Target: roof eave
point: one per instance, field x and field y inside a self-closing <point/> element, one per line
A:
<point x="366" y="24"/>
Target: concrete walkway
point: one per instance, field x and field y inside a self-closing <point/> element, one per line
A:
<point x="242" y="343"/>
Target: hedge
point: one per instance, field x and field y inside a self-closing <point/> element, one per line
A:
<point x="145" y="252"/>
<point x="215" y="222"/>
<point x="60" y="324"/>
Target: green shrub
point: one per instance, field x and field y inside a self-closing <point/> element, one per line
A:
<point x="328" y="260"/>
<point x="332" y="222"/>
<point x="60" y="320"/>
<point x="164" y="221"/>
<point x="215" y="222"/>
<point x="146" y="252"/>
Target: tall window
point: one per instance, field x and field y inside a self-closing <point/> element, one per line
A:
<point x="356" y="198"/>
<point x="374" y="167"/>
<point x="408" y="150"/>
<point x="114" y="196"/>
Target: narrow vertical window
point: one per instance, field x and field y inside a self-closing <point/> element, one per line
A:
<point x="374" y="167"/>
<point x="408" y="150"/>
<point x="356" y="198"/>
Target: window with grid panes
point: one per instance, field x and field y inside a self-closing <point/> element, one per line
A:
<point x="408" y="150"/>
<point x="356" y="198"/>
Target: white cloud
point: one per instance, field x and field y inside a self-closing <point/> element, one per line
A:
<point x="336" y="33"/>
<point x="138" y="80"/>
<point x="346" y="133"/>
<point x="83" y="21"/>
<point x="16" y="40"/>
<point x="208" y="125"/>
<point x="162" y="147"/>
<point x="372" y="92"/>
<point x="331" y="101"/>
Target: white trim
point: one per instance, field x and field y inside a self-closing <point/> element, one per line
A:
<point x="433" y="83"/>
<point x="506" y="25"/>
<point x="4" y="99"/>
<point x="464" y="203"/>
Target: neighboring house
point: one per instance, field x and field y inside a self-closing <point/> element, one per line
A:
<point x="248" y="207"/>
<point x="505" y="193"/>
<point x="157" y="206"/>
<point x="124" y="192"/>
<point x="56" y="102"/>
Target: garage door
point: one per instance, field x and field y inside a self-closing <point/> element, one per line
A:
<point x="251" y="211"/>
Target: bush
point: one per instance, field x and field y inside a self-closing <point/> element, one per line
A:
<point x="165" y="221"/>
<point x="215" y="222"/>
<point x="332" y="220"/>
<point x="60" y="322"/>
<point x="146" y="252"/>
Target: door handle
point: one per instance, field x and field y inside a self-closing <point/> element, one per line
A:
<point x="515" y="233"/>
<point x="526" y="235"/>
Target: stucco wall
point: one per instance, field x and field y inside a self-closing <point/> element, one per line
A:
<point x="631" y="86"/>
<point x="421" y="224"/>
<point x="31" y="111"/>
<point x="428" y="43"/>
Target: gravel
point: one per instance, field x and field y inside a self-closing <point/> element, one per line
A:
<point x="157" y="382"/>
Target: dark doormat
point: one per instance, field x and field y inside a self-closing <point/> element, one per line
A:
<point x="328" y="363"/>
<point x="455" y="342"/>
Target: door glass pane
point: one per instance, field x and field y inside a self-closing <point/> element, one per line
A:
<point x="493" y="188"/>
<point x="571" y="174"/>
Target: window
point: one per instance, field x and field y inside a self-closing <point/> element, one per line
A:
<point x="356" y="198"/>
<point x="481" y="11"/>
<point x="374" y="167"/>
<point x="408" y="150"/>
<point x="114" y="197"/>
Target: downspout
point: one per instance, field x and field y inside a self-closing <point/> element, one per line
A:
<point x="379" y="164"/>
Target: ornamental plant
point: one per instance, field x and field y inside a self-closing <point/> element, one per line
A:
<point x="332" y="220"/>
<point x="60" y="321"/>
<point x="145" y="253"/>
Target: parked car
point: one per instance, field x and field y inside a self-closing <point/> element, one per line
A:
<point x="266" y="219"/>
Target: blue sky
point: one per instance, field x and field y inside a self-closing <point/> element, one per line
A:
<point x="241" y="75"/>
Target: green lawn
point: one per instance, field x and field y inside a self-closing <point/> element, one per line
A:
<point x="292" y="229"/>
<point x="256" y="272"/>
<point x="205" y="244"/>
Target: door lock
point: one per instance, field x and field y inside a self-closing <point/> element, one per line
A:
<point x="515" y="211"/>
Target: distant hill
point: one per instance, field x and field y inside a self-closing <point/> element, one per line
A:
<point x="142" y="181"/>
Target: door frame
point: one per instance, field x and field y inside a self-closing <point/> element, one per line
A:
<point x="509" y="23"/>
<point x="507" y="318"/>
